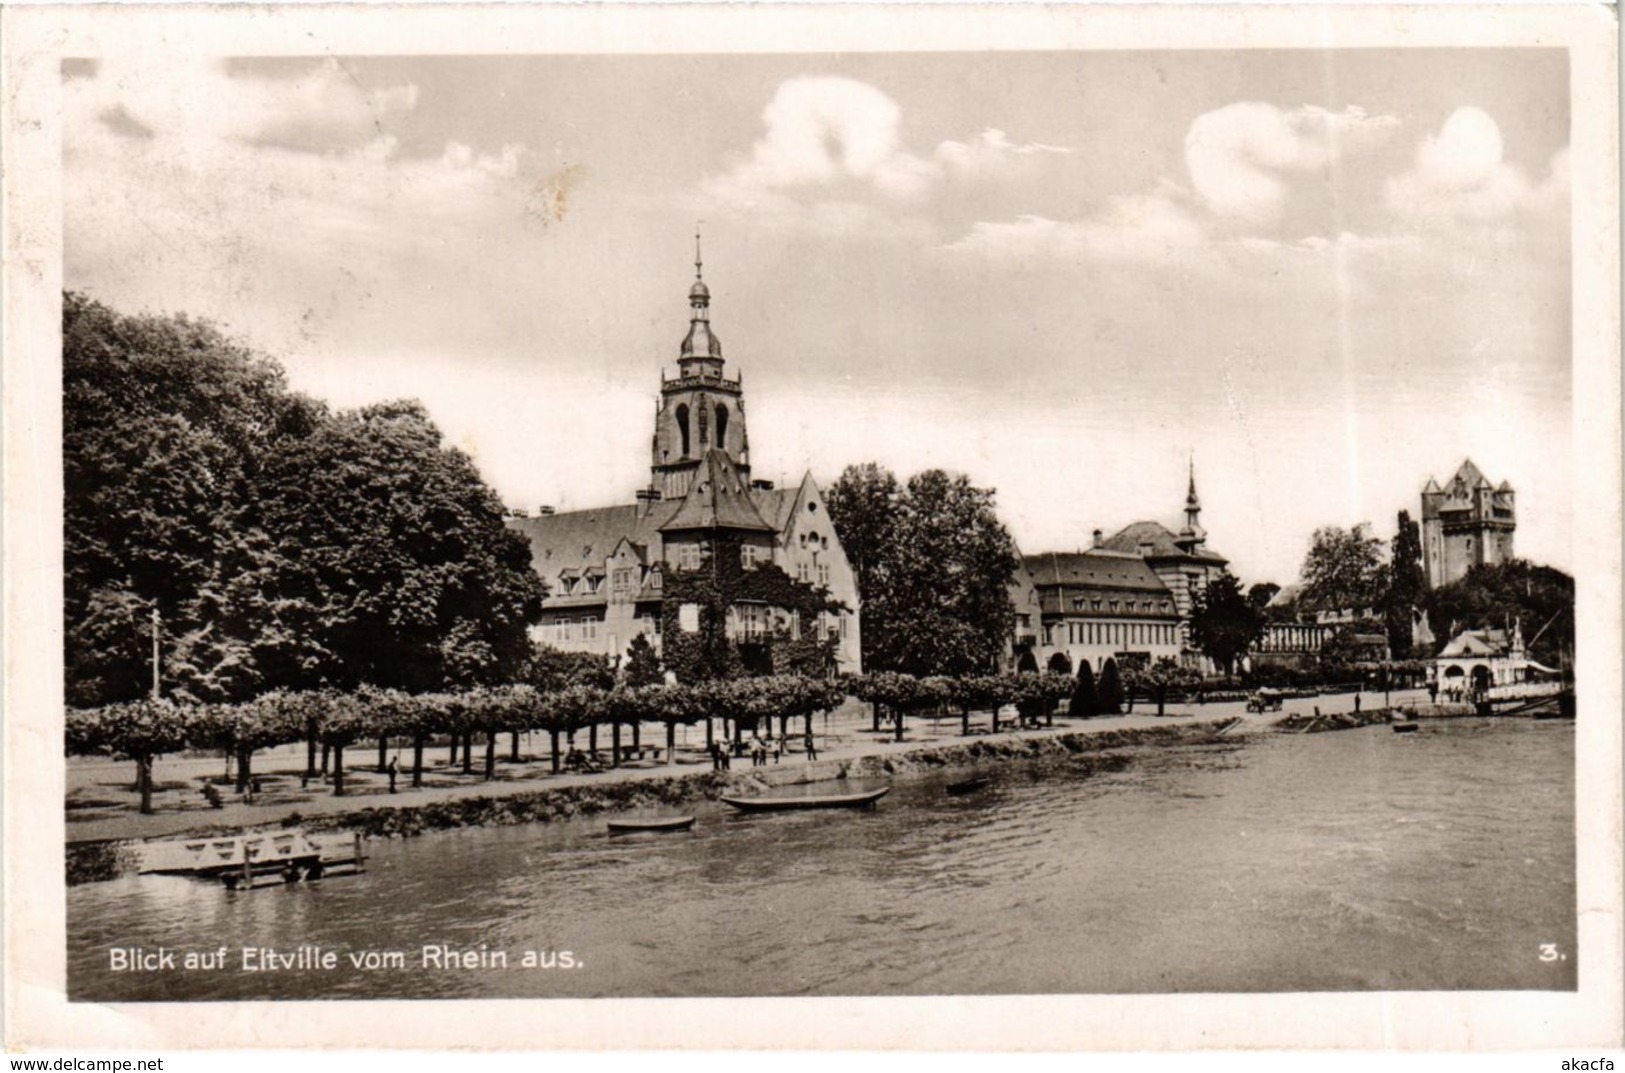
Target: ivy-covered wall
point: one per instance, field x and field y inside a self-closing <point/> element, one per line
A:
<point x="723" y="582"/>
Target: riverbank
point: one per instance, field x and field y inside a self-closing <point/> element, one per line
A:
<point x="650" y="789"/>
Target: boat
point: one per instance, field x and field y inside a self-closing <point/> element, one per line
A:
<point x="1404" y="728"/>
<point x="215" y="856"/>
<point x="787" y="804"/>
<point x="969" y="786"/>
<point x="245" y="859"/>
<point x="659" y="823"/>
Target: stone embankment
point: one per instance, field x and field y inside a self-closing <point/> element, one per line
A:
<point x="92" y="862"/>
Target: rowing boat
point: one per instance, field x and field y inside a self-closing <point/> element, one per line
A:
<point x="664" y="823"/>
<point x="968" y="786"/>
<point x="1404" y="727"/>
<point x="786" y="804"/>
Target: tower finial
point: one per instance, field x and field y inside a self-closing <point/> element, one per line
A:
<point x="699" y="262"/>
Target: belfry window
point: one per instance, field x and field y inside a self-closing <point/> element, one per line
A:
<point x="682" y="427"/>
<point x="722" y="426"/>
<point x="705" y="425"/>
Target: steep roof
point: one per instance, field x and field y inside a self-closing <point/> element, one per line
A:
<point x="578" y="539"/>
<point x="1094" y="569"/>
<point x="1468" y="643"/>
<point x="1470" y="475"/>
<point x="718" y="499"/>
<point x="1162" y="543"/>
<point x="1063" y="576"/>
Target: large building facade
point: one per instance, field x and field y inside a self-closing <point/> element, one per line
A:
<point x="1128" y="598"/>
<point x="606" y="569"/>
<point x="1467" y="523"/>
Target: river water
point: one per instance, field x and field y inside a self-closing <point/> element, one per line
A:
<point x="1361" y="859"/>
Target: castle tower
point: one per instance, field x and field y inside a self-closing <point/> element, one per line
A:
<point x="700" y="410"/>
<point x="1466" y="523"/>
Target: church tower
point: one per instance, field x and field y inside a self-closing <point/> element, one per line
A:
<point x="699" y="410"/>
<point x="1192" y="536"/>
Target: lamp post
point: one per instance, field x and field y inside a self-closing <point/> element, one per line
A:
<point x="156" y="623"/>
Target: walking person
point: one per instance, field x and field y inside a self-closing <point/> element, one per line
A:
<point x="394" y="770"/>
<point x="811" y="746"/>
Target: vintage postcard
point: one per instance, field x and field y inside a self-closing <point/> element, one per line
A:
<point x="1098" y="528"/>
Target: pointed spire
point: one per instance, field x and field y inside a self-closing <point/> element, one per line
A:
<point x="1191" y="536"/>
<point x="700" y="342"/>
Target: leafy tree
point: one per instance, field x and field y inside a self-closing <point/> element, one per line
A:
<point x="1224" y="622"/>
<point x="399" y="548"/>
<point x="1260" y="593"/>
<point x="642" y="665"/>
<point x="284" y="546"/>
<point x="1406" y="586"/>
<point x="1109" y="690"/>
<point x="937" y="566"/>
<point x="164" y="425"/>
<point x="1084" y="702"/>
<point x="553" y="670"/>
<point x="1162" y="676"/>
<point x="138" y="730"/>
<point x="863" y="506"/>
<point x="1343" y="570"/>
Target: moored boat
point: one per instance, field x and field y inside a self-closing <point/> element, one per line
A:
<point x="247" y="859"/>
<point x="659" y="823"/>
<point x="788" y="804"/>
<point x="216" y="856"/>
<point x="969" y="786"/>
<point x="1404" y="728"/>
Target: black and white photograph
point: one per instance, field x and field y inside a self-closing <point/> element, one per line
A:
<point x="600" y="517"/>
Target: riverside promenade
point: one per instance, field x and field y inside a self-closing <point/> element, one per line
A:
<point x="101" y="805"/>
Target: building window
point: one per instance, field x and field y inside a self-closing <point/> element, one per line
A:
<point x="801" y="572"/>
<point x="688" y="556"/>
<point x="823" y="574"/>
<point x="722" y="426"/>
<point x="682" y="427"/>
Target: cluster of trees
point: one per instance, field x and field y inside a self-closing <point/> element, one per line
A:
<point x="141" y="730"/>
<point x="1349" y="569"/>
<point x="934" y="566"/>
<point x="283" y="545"/>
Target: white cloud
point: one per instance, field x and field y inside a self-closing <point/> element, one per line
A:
<point x="201" y="175"/>
<point x="1460" y="179"/>
<point x="1237" y="155"/>
<point x="821" y="132"/>
<point x="200" y="103"/>
<point x="1149" y="227"/>
<point x="990" y="154"/>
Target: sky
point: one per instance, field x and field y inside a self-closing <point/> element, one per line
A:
<point x="1321" y="276"/>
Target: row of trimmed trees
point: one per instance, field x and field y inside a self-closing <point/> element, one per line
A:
<point x="332" y="721"/>
<point x="901" y="695"/>
<point x="143" y="730"/>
